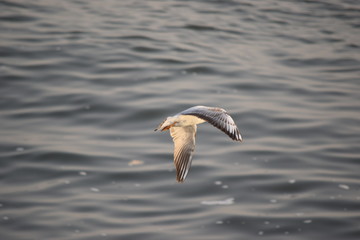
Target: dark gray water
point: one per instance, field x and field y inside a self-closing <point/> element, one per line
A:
<point x="84" y="83"/>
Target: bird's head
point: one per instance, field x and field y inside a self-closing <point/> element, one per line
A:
<point x="166" y="124"/>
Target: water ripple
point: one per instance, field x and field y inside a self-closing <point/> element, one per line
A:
<point x="83" y="85"/>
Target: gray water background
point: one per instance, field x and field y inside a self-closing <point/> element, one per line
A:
<point x="84" y="83"/>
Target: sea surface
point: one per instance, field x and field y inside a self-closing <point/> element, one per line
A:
<point x="83" y="85"/>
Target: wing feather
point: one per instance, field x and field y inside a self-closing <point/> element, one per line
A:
<point x="217" y="117"/>
<point x="184" y="146"/>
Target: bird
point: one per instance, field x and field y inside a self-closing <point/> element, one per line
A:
<point x="183" y="127"/>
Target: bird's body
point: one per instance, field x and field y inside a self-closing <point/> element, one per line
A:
<point x="183" y="131"/>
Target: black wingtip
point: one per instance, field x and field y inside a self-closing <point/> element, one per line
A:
<point x="180" y="180"/>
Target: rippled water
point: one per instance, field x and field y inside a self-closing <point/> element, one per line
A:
<point x="84" y="83"/>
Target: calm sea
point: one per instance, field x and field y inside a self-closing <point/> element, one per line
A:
<point x="84" y="83"/>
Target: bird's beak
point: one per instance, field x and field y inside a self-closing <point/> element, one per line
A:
<point x="165" y="128"/>
<point x="158" y="128"/>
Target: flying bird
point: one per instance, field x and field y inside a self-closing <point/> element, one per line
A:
<point x="183" y="131"/>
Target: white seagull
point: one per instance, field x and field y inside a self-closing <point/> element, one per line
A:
<point x="183" y="131"/>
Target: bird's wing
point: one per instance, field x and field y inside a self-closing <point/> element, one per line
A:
<point x="218" y="117"/>
<point x="184" y="146"/>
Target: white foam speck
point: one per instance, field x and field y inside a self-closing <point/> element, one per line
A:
<point x="343" y="186"/>
<point x="219" y="222"/>
<point x="217" y="182"/>
<point x="82" y="173"/>
<point x="292" y="181"/>
<point x="67" y="182"/>
<point x="5" y="218"/>
<point x="20" y="149"/>
<point x="227" y="201"/>
<point x="95" y="189"/>
<point x="273" y="201"/>
<point x="308" y="221"/>
<point x="225" y="186"/>
<point x="261" y="233"/>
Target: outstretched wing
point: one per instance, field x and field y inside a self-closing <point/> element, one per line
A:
<point x="218" y="117"/>
<point x="184" y="146"/>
